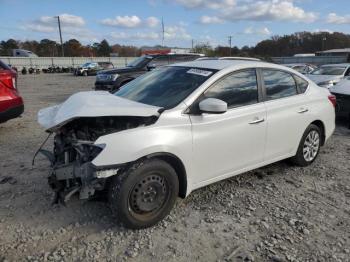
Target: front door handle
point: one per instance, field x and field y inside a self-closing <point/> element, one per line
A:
<point x="303" y="110"/>
<point x="257" y="121"/>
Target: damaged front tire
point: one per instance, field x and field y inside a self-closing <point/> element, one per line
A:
<point x="144" y="194"/>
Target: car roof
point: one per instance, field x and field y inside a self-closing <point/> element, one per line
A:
<point x="222" y="64"/>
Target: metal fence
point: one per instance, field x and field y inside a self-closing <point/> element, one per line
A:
<point x="316" y="60"/>
<point x="45" y="62"/>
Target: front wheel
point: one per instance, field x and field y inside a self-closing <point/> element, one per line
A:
<point x="309" y="146"/>
<point x="144" y="194"/>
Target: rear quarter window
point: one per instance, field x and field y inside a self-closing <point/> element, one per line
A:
<point x="301" y="83"/>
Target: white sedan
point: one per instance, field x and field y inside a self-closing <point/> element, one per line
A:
<point x="182" y="127"/>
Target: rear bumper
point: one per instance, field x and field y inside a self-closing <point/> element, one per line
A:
<point x="11" y="113"/>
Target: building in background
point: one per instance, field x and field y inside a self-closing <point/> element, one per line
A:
<point x="335" y="52"/>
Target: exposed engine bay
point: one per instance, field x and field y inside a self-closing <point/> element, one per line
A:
<point x="74" y="149"/>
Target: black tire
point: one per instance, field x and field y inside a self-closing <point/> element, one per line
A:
<point x="144" y="194"/>
<point x="300" y="159"/>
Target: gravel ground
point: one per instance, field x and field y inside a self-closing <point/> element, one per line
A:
<point x="277" y="213"/>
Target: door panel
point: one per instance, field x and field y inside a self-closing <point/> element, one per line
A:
<point x="287" y="114"/>
<point x="287" y="120"/>
<point x="228" y="142"/>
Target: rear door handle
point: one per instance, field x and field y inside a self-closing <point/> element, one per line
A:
<point x="303" y="110"/>
<point x="257" y="121"/>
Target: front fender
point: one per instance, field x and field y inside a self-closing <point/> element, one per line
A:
<point x="133" y="144"/>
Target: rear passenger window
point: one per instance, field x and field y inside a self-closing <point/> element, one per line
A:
<point x="278" y="84"/>
<point x="302" y="84"/>
<point x="237" y="89"/>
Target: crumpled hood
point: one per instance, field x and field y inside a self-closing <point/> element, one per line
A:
<point x="343" y="87"/>
<point x="92" y="104"/>
<point x="323" y="78"/>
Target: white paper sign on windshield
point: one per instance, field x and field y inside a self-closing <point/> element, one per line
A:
<point x="199" y="72"/>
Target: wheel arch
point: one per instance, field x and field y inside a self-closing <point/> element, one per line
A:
<point x="178" y="166"/>
<point x="322" y="127"/>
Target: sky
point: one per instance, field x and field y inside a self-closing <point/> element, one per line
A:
<point x="138" y="22"/>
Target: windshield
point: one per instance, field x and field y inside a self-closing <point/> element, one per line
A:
<point x="86" y="65"/>
<point x="165" y="87"/>
<point x="329" y="70"/>
<point x="139" y="62"/>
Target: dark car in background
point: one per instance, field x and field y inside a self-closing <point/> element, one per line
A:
<point x="11" y="103"/>
<point x="112" y="80"/>
<point x="91" y="68"/>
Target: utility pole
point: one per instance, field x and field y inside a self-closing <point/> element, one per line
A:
<point x="59" y="29"/>
<point x="162" y="32"/>
<point x="230" y="42"/>
<point x="192" y="44"/>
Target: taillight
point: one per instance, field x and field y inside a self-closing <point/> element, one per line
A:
<point x="333" y="100"/>
<point x="8" y="79"/>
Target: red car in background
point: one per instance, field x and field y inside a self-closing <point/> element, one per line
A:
<point x="11" y="103"/>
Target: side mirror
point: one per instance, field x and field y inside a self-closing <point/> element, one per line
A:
<point x="213" y="106"/>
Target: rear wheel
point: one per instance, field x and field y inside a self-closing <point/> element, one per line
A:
<point x="309" y="146"/>
<point x="144" y="194"/>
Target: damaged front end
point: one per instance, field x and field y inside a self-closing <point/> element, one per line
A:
<point x="74" y="150"/>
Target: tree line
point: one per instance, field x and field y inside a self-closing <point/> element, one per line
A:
<point x="287" y="45"/>
<point x="72" y="47"/>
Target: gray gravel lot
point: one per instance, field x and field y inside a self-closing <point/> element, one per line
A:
<point x="277" y="213"/>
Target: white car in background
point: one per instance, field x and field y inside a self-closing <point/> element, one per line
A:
<point x="302" y="68"/>
<point x="182" y="127"/>
<point x="329" y="75"/>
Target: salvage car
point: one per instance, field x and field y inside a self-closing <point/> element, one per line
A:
<point x="92" y="68"/>
<point x="182" y="127"/>
<point x="112" y="80"/>
<point x="11" y="103"/>
<point x="329" y="75"/>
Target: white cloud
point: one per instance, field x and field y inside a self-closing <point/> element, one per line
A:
<point x="131" y="21"/>
<point x="211" y="4"/>
<point x="72" y="27"/>
<point x="261" y="10"/>
<point x="210" y="20"/>
<point x="123" y="21"/>
<point x="176" y="32"/>
<point x="66" y="20"/>
<point x="152" y="21"/>
<point x="333" y="18"/>
<point x="48" y="24"/>
<point x="257" y="31"/>
<point x="270" y="10"/>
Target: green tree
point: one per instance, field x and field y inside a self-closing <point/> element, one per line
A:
<point x="104" y="48"/>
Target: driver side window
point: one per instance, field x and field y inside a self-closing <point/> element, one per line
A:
<point x="237" y="89"/>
